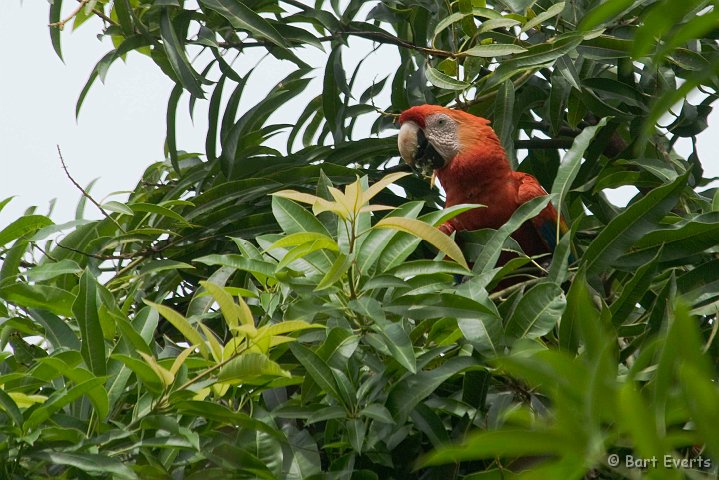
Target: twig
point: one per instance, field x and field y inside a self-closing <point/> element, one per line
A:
<point x="546" y="143"/>
<point x="297" y="4"/>
<point x="381" y="37"/>
<point x="96" y="255"/>
<point x="384" y="37"/>
<point x="73" y="14"/>
<point x="85" y="193"/>
<point x="513" y="288"/>
<point x="487" y="96"/>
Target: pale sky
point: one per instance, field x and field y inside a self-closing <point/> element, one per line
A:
<point x="121" y="128"/>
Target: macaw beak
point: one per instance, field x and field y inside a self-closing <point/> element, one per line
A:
<point x="417" y="151"/>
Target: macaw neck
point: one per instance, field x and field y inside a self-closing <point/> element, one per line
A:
<point x="474" y="173"/>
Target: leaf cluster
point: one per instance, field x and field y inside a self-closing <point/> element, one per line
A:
<point x="211" y="325"/>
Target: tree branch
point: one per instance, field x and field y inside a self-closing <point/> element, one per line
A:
<point x="85" y="193"/>
<point x="381" y="37"/>
<point x="546" y="143"/>
<point x="73" y="14"/>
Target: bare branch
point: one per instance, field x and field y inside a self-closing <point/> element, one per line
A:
<point x="85" y="193"/>
<point x="73" y="14"/>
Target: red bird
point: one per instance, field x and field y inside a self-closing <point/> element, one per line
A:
<point x="470" y="163"/>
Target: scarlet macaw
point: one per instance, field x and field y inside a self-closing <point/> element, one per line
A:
<point x="470" y="163"/>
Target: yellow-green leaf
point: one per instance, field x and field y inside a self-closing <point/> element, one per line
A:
<point x="297" y="196"/>
<point x="354" y="196"/>
<point x="215" y="346"/>
<point x="375" y="208"/>
<point x="552" y="11"/>
<point x="380" y="185"/>
<point x="288" y="326"/>
<point x="182" y="325"/>
<point x="246" y="317"/>
<point x="299" y="238"/>
<point x="427" y="233"/>
<point x="180" y="359"/>
<point x="334" y="274"/>
<point x="166" y="377"/>
<point x="228" y="307"/>
<point x="24" y="401"/>
<point x="341" y="199"/>
<point x="327" y="206"/>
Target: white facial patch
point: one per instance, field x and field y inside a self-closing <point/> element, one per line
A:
<point x="407" y="141"/>
<point x="441" y="132"/>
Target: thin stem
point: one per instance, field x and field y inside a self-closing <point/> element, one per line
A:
<point x="85" y="193"/>
<point x="351" y="270"/>
<point x="73" y="14"/>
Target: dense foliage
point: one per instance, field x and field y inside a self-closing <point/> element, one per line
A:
<point x="212" y="326"/>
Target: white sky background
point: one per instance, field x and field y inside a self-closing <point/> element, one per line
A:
<point x="121" y="128"/>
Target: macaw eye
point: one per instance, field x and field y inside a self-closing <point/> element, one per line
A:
<point x="441" y="121"/>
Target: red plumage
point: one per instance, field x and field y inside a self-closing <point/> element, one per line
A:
<point x="480" y="173"/>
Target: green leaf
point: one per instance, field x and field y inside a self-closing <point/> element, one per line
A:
<point x="85" y="309"/>
<point x="377" y="412"/>
<point x="57" y="332"/>
<point x="396" y="337"/>
<point x="58" y="400"/>
<point x="624" y="229"/>
<point x="55" y="12"/>
<point x="448" y="21"/>
<point x="170" y="121"/>
<point x="228" y="307"/>
<point x="502" y="443"/>
<point x="377" y="241"/>
<point x="98" y="395"/>
<point x="356" y="430"/>
<point x="117" y="207"/>
<point x="157" y="210"/>
<point x="332" y="105"/>
<point x="300" y="238"/>
<point x="604" y="12"/>
<point x="702" y="399"/>
<point x="439" y="79"/>
<point x="22" y="226"/>
<point x="572" y="161"/>
<point x="51" y="270"/>
<point x="634" y="290"/>
<point x="316" y="368"/>
<point x="8" y="405"/>
<point x="491" y="251"/>
<point x="146" y="374"/>
<point x="248" y="367"/>
<point x="677" y="242"/>
<point x="53" y="299"/>
<point x="537" y="312"/>
<point x="494" y="49"/>
<point x="89" y="463"/>
<point x="336" y="272"/>
<point x="429" y="423"/>
<point x="638" y="420"/>
<point x="406" y="394"/>
<point x="240" y="263"/>
<point x="182" y="325"/>
<point x="177" y="57"/>
<point x="495" y="23"/>
<point x="552" y="11"/>
<point x="293" y="218"/>
<point x="503" y="116"/>
<point x="242" y="17"/>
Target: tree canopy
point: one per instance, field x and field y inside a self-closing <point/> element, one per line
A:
<point x="281" y="304"/>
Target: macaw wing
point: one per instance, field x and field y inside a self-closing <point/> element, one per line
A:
<point x="546" y="222"/>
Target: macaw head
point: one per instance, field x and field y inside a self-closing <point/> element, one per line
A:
<point x="431" y="136"/>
